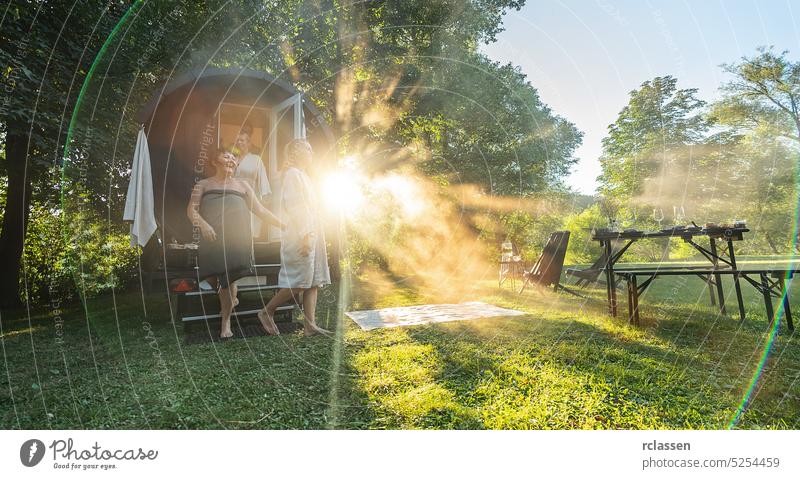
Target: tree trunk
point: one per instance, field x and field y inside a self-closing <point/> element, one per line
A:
<point x="15" y="219"/>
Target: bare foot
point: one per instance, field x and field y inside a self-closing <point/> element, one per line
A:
<point x="226" y="333"/>
<point x="313" y="330"/>
<point x="268" y="323"/>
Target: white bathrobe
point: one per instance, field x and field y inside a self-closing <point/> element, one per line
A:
<point x="299" y="210"/>
<point x="252" y="170"/>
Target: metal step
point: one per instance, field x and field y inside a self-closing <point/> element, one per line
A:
<point x="241" y="289"/>
<point x="250" y="312"/>
<point x="207" y="335"/>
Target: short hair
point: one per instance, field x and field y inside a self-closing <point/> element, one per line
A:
<point x="209" y="168"/>
<point x="291" y="149"/>
<point x="221" y="149"/>
<point x="246" y="129"/>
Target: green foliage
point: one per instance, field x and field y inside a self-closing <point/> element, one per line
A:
<point x="529" y="231"/>
<point x="770" y="183"/>
<point x="3" y="189"/>
<point x="760" y="107"/>
<point x="360" y="255"/>
<point x="99" y="257"/>
<point x="662" y="153"/>
<point x="44" y="65"/>
<point x="581" y="248"/>
<point x="652" y="136"/>
<point x="765" y="88"/>
<point x="483" y="123"/>
<point x="72" y="256"/>
<point x="46" y="272"/>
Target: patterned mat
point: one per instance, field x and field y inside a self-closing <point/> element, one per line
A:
<point x="427" y="313"/>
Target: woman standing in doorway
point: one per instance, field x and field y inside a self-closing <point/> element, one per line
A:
<point x="304" y="257"/>
<point x="251" y="169"/>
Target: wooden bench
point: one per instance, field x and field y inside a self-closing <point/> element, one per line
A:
<point x="770" y="282"/>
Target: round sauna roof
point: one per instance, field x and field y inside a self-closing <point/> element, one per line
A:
<point x="239" y="81"/>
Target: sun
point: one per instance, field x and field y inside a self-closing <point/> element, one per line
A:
<point x="343" y="192"/>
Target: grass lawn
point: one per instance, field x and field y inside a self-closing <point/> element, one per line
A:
<point x="566" y="365"/>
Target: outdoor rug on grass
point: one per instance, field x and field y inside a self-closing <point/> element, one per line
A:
<point x="427" y="313"/>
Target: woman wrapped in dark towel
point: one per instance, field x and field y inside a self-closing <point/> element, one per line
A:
<point x="220" y="207"/>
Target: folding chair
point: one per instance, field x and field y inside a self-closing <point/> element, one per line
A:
<point x="587" y="276"/>
<point x="547" y="269"/>
<point x="511" y="265"/>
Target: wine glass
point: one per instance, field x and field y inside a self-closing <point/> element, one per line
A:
<point x="658" y="216"/>
<point x="680" y="215"/>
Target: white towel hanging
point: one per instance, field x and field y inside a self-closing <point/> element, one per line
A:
<point x="139" y="204"/>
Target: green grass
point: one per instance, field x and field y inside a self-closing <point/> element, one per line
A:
<point x="566" y="365"/>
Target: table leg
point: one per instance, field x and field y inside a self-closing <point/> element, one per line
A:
<point x="611" y="291"/>
<point x="718" y="277"/>
<point x="629" y="289"/>
<point x="635" y="295"/>
<point x="736" y="280"/>
<point x="767" y="299"/>
<point x="786" y="309"/>
<point x="710" y="281"/>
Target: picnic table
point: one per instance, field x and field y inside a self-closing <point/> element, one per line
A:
<point x="720" y="253"/>
<point x="769" y="281"/>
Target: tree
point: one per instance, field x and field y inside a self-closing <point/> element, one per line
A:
<point x="650" y="148"/>
<point x="759" y="107"/>
<point x="486" y="122"/>
<point x="765" y="87"/>
<point x="340" y="53"/>
<point x="652" y="136"/>
<point x="45" y="50"/>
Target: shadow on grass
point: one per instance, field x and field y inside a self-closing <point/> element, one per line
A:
<point x="567" y="365"/>
<point x="122" y="370"/>
<point x="564" y="367"/>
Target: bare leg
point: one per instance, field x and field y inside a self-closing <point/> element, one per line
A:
<point x="226" y="298"/>
<point x="214" y="284"/>
<point x="267" y="314"/>
<point x="309" y="313"/>
<point x="234" y="288"/>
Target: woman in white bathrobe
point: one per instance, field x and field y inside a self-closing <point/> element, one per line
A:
<point x="251" y="169"/>
<point x="304" y="257"/>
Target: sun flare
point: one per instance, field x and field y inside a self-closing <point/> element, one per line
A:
<point x="343" y="192"/>
<point x="404" y="191"/>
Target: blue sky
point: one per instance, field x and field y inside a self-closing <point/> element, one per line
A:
<point x="585" y="56"/>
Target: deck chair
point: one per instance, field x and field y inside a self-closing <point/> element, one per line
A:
<point x="587" y="276"/>
<point x="547" y="269"/>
